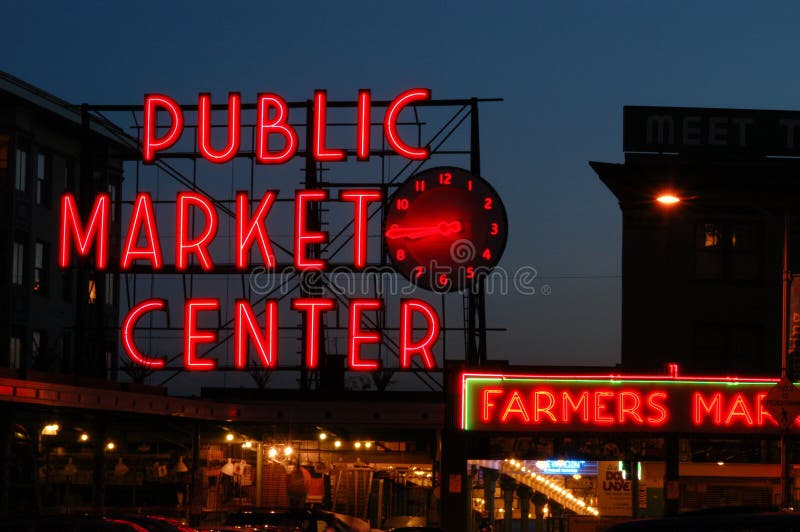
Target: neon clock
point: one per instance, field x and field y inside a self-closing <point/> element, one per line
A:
<point x="445" y="228"/>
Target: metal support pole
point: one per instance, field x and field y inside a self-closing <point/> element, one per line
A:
<point x="259" y="474"/>
<point x="195" y="502"/>
<point x="786" y="286"/>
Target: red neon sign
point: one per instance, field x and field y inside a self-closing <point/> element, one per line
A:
<point x="272" y="118"/>
<point x="589" y="402"/>
<point x="249" y="331"/>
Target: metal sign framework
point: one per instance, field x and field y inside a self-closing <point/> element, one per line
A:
<point x="452" y="134"/>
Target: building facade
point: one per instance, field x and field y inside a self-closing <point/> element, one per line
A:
<point x="701" y="278"/>
<point x="57" y="322"/>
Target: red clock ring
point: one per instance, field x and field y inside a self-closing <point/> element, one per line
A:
<point x="445" y="229"/>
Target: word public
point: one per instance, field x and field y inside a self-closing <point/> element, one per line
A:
<point x="272" y="120"/>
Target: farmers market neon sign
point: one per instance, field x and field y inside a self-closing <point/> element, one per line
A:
<point x="615" y="402"/>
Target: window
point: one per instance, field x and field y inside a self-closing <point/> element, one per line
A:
<point x="727" y="251"/>
<point x="21" y="172"/>
<point x="66" y="352"/>
<point x="18" y="263"/>
<point x="112" y="195"/>
<point x="733" y="346"/>
<point x="69" y="176"/>
<point x="15" y="353"/>
<point x="4" y="142"/>
<point x="36" y="346"/>
<point x="92" y="292"/>
<point x="41" y="265"/>
<point x="66" y="285"/>
<point x="43" y="171"/>
<point x="109" y="289"/>
<point x="109" y="364"/>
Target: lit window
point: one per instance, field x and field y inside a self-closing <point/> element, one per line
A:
<point x="21" y="170"/>
<point x="92" y="292"/>
<point x="712" y="236"/>
<point x="728" y="251"/>
<point x="18" y="263"/>
<point x="43" y="180"/>
<point x="15" y="353"/>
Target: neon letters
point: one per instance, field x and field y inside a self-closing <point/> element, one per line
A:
<point x="272" y="119"/>
<point x="634" y="403"/>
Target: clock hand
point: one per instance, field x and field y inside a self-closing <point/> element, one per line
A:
<point x="413" y="233"/>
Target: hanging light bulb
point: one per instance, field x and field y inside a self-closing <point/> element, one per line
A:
<point x="273" y="452"/>
<point x="120" y="470"/>
<point x="288" y="450"/>
<point x="181" y="467"/>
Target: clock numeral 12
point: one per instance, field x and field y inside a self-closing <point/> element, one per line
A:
<point x="445" y="178"/>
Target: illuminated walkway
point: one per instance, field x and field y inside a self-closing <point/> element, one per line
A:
<point x="542" y="483"/>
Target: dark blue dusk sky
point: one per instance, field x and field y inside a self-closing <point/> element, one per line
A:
<point x="565" y="69"/>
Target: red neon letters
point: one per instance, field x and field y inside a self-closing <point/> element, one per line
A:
<point x="626" y="403"/>
<point x="361" y="200"/>
<point x="151" y="142"/>
<point x="96" y="230"/>
<point x="552" y="406"/>
<point x="272" y="118"/>
<point x="248" y="331"/>
<point x="358" y="336"/>
<point x="303" y="237"/>
<point x="253" y="229"/>
<point x="204" y="128"/>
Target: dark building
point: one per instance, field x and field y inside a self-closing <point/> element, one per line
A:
<point x="701" y="278"/>
<point x="56" y="322"/>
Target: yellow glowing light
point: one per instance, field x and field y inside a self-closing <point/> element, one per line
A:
<point x="668" y="199"/>
<point x="357" y="445"/>
<point x="273" y="452"/>
<point x="110" y="446"/>
<point x="247" y="445"/>
<point x="368" y="445"/>
<point x="51" y="429"/>
<point x="84" y="437"/>
<point x="323" y="436"/>
<point x="337" y="444"/>
<point x="229" y="436"/>
<point x="288" y="451"/>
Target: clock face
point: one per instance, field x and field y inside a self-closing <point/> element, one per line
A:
<point x="445" y="228"/>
